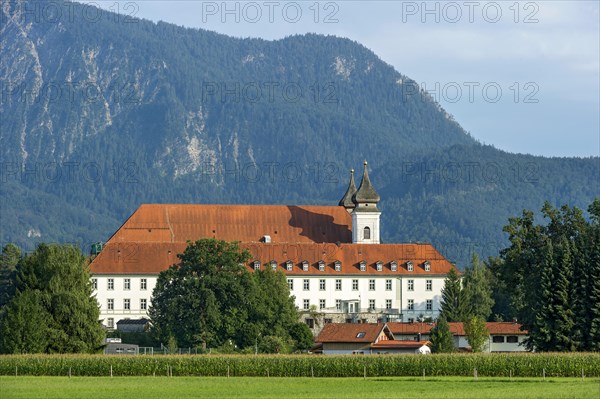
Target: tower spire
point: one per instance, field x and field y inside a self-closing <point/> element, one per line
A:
<point x="346" y="200"/>
<point x="366" y="198"/>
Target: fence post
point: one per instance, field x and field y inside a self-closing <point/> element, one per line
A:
<point x="312" y="371"/>
<point x="510" y="374"/>
<point x="423" y="373"/>
<point x="475" y="374"/>
<point x="111" y="371"/>
<point x="69" y="372"/>
<point x="544" y="374"/>
<point x="227" y="371"/>
<point x="16" y="371"/>
<point x="365" y="371"/>
<point x="582" y="374"/>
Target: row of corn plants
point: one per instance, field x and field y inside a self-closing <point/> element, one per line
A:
<point x="491" y="365"/>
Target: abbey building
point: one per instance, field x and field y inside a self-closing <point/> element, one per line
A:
<point x="336" y="267"/>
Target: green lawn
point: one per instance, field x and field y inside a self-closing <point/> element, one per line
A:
<point x="262" y="387"/>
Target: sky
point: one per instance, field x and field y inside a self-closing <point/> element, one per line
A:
<point x="522" y="76"/>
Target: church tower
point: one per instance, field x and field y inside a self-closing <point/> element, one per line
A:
<point x="365" y="215"/>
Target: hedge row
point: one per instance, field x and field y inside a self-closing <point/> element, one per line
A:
<point x="492" y="365"/>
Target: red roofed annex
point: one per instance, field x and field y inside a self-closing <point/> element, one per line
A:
<point x="332" y="256"/>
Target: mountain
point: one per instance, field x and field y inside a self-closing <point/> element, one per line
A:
<point x="100" y="115"/>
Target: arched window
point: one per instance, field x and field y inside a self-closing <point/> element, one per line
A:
<point x="367" y="233"/>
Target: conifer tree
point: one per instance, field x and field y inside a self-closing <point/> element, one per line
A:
<point x="453" y="298"/>
<point x="442" y="340"/>
<point x="478" y="290"/>
<point x="540" y="334"/>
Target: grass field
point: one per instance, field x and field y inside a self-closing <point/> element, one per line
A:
<point x="262" y="387"/>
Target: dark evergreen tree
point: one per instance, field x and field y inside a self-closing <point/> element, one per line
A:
<point x="541" y="336"/>
<point x="477" y="290"/>
<point x="11" y="254"/>
<point x="593" y="265"/>
<point x="563" y="314"/>
<point x="442" y="340"/>
<point x="453" y="298"/>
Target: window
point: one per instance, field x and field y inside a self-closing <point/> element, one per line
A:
<point x="371" y="304"/>
<point x="321" y="304"/>
<point x="366" y="233"/>
<point x="110" y="304"/>
<point x="360" y="335"/>
<point x="127" y="304"/>
<point x="273" y="265"/>
<point x="290" y="284"/>
<point x="429" y="304"/>
<point x="338" y="304"/>
<point x="394" y="266"/>
<point x="143" y="284"/>
<point x="355" y="285"/>
<point x="110" y="322"/>
<point x="411" y="285"/>
<point x="127" y="284"/>
<point x="111" y="283"/>
<point x="388" y="285"/>
<point x="310" y="323"/>
<point x="498" y="339"/>
<point x="338" y="266"/>
<point x="428" y="285"/>
<point x="363" y="266"/>
<point x="143" y="304"/>
<point x="427" y="266"/>
<point x="306" y="284"/>
<point x="94" y="283"/>
<point x="371" y="285"/>
<point x="388" y="304"/>
<point x="322" y="284"/>
<point x="327" y="321"/>
<point x="306" y="304"/>
<point x="338" y="284"/>
<point x="512" y="339"/>
<point x="305" y="266"/>
<point x="289" y="265"/>
<point x="256" y="265"/>
<point x="379" y="266"/>
<point x="411" y="319"/>
<point x="411" y="304"/>
<point x="321" y="266"/>
<point x="409" y="266"/>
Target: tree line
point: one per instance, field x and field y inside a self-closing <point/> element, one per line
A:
<point x="547" y="279"/>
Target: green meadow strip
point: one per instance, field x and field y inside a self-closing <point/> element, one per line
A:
<point x="489" y="365"/>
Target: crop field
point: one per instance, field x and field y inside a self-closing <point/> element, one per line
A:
<point x="305" y="387"/>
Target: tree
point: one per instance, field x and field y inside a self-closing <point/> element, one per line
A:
<point x="478" y="290"/>
<point x="209" y="297"/>
<point x="453" y="299"/>
<point x="53" y="310"/>
<point x="11" y="254"/>
<point x="442" y="340"/>
<point x="302" y="336"/>
<point x="477" y="333"/>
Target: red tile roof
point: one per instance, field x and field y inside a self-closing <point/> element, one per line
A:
<point x="246" y="223"/>
<point x="149" y="241"/>
<point x="399" y="344"/>
<point x="346" y="332"/>
<point x="495" y="328"/>
<point x="130" y="257"/>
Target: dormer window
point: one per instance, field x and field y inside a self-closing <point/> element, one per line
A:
<point x="273" y="265"/>
<point x="409" y="266"/>
<point x="367" y="233"/>
<point x="321" y="266"/>
<point x="338" y="266"/>
<point x="379" y="266"/>
<point x="289" y="265"/>
<point x="256" y="265"/>
<point x="360" y="335"/>
<point x="363" y="266"/>
<point x="427" y="266"/>
<point x="305" y="266"/>
<point x="394" y="266"/>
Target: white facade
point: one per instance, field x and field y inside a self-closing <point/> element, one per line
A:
<point x="113" y="302"/>
<point x="380" y="296"/>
